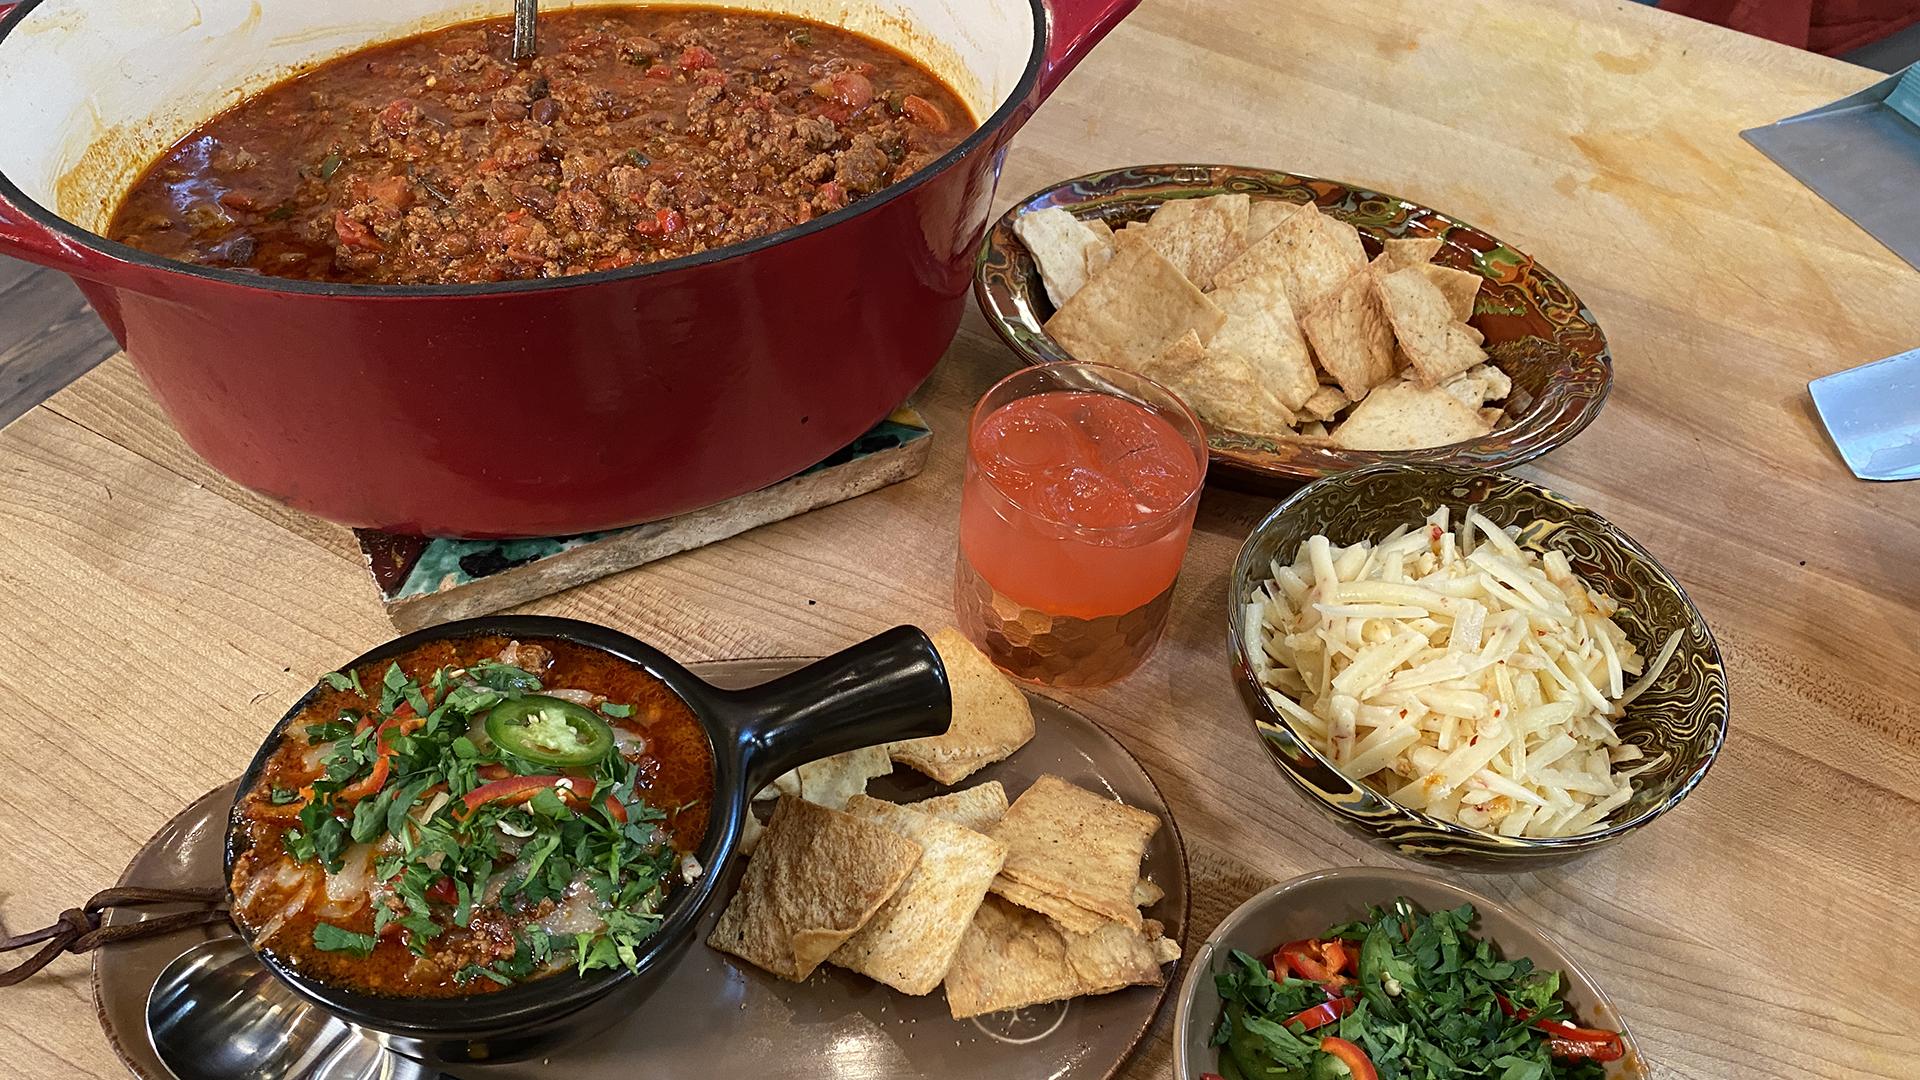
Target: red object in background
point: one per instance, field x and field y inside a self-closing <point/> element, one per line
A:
<point x="546" y="408"/>
<point x="1824" y="26"/>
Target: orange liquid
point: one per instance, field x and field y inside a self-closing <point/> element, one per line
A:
<point x="1077" y="504"/>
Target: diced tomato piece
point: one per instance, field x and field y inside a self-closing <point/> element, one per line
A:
<point x="392" y="192"/>
<point x="355" y="234"/>
<point x="659" y="71"/>
<point x="664" y="223"/>
<point x="397" y="117"/>
<point x="442" y="890"/>
<point x="925" y="113"/>
<point x="847" y="88"/>
<point x="834" y="195"/>
<point x="693" y="58"/>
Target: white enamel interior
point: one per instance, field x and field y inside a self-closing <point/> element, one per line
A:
<point x="91" y="92"/>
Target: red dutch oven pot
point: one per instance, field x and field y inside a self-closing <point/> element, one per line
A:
<point x="518" y="408"/>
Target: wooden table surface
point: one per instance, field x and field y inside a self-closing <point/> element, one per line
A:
<point x="155" y="620"/>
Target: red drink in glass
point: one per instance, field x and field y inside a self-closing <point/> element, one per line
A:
<point x="1078" y="502"/>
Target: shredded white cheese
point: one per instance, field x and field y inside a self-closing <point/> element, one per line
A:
<point x="1457" y="673"/>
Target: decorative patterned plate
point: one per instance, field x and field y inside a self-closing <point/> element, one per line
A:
<point x="719" y="1017"/>
<point x="1537" y="330"/>
<point x="1682" y="715"/>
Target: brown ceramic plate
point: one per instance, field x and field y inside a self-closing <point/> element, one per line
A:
<point x="735" y="1020"/>
<point x="1537" y="330"/>
<point x="1311" y="903"/>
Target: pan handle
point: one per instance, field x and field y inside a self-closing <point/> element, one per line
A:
<point x="886" y="688"/>
<point x="1073" y="28"/>
<point x="24" y="238"/>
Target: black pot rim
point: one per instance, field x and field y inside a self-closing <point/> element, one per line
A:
<point x="500" y="1013"/>
<point x="983" y="139"/>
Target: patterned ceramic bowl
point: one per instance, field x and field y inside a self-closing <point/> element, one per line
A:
<point x="1683" y="715"/>
<point x="1537" y="330"/>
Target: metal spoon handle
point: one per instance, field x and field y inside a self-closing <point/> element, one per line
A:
<point x="526" y="37"/>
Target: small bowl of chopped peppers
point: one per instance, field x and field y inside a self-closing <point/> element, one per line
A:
<point x="1372" y="973"/>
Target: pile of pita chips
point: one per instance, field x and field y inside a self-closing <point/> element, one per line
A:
<point x="1267" y="317"/>
<point x="905" y="893"/>
<point x="1065" y="918"/>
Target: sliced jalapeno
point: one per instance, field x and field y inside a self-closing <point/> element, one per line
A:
<point x="549" y="731"/>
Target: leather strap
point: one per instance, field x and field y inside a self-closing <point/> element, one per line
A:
<point x="78" y="930"/>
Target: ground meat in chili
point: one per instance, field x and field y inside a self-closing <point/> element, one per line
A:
<point x="637" y="134"/>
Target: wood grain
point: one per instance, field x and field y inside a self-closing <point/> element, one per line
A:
<point x="156" y="618"/>
<point x="53" y="340"/>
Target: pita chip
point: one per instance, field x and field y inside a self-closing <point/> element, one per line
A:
<point x="815" y="879"/>
<point x="1132" y="310"/>
<point x="1403" y="416"/>
<point x="1146" y="893"/>
<point x="1199" y="236"/>
<point x="1398" y="254"/>
<point x="978" y="808"/>
<point x="1058" y="242"/>
<point x="1222" y="387"/>
<point x="1082" y="848"/>
<point x="909" y="943"/>
<point x="831" y="781"/>
<point x="1325" y="404"/>
<point x="1011" y="958"/>
<point x="1264" y="215"/>
<point x="1069" y="915"/>
<point x="1261" y="330"/>
<point x="1436" y="344"/>
<point x="1312" y="252"/>
<point x="1351" y="337"/>
<point x="1460" y="287"/>
<point x="1479" y="385"/>
<point x="991" y="717"/>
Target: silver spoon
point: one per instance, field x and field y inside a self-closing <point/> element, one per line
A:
<point x="525" y="30"/>
<point x="216" y="1013"/>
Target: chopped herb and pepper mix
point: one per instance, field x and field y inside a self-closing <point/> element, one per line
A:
<point x="476" y="813"/>
<point x="1400" y="995"/>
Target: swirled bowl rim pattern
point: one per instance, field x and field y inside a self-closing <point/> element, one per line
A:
<point x="1537" y="329"/>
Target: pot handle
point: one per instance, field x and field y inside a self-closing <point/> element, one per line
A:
<point x="1073" y="28"/>
<point x="886" y="688"/>
<point x="24" y="238"/>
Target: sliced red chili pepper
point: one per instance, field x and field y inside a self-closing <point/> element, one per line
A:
<point x="1322" y="1014"/>
<point x="616" y="810"/>
<point x="443" y="891"/>
<point x="1355" y="1059"/>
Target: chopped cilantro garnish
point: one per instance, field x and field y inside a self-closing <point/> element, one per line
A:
<point x="1423" y="1002"/>
<point x="330" y="938"/>
<point x="401" y="778"/>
